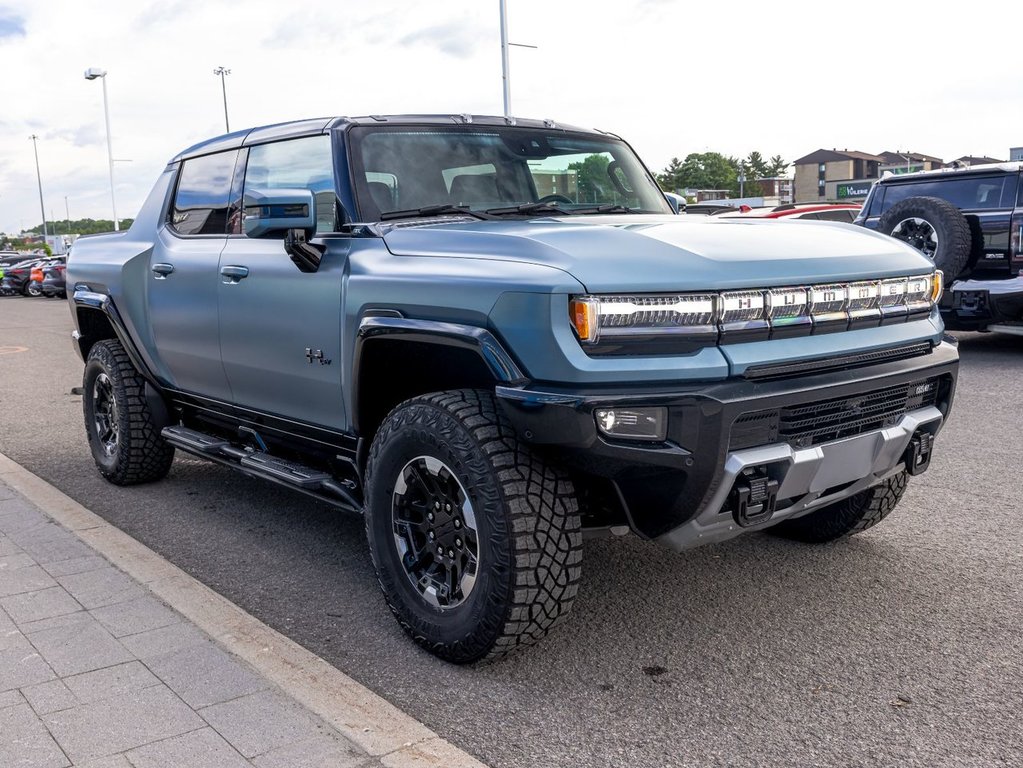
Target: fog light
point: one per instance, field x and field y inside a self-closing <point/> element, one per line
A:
<point x="633" y="423"/>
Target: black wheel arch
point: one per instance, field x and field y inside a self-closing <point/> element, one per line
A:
<point x="97" y="319"/>
<point x="398" y="358"/>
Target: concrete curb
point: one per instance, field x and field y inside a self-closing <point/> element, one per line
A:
<point x="364" y="718"/>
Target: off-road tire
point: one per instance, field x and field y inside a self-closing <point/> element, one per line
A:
<point x="527" y="522"/>
<point x="139" y="453"/>
<point x="847" y="517"/>
<point x="955" y="240"/>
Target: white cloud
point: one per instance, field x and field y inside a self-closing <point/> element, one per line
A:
<point x="671" y="77"/>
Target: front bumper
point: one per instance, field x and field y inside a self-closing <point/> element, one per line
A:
<point x="681" y="491"/>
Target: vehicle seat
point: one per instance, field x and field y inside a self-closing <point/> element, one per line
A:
<point x="469" y="188"/>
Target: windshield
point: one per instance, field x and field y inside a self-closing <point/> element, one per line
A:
<point x="407" y="168"/>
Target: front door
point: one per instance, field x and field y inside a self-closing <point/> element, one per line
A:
<point x="280" y="328"/>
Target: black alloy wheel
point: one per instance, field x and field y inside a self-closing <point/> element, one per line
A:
<point x="435" y="532"/>
<point x="918" y="233"/>
<point x="105" y="417"/>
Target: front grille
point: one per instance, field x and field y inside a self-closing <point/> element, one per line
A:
<point x="808" y="424"/>
<point x="782" y="370"/>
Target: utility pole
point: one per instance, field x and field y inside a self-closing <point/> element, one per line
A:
<point x="223" y="72"/>
<point x="39" y="178"/>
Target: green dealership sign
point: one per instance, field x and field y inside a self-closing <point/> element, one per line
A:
<point x="853" y="189"/>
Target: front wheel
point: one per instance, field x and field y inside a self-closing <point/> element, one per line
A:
<point x="475" y="539"/>
<point x="125" y="440"/>
<point x="32" y="288"/>
<point x="847" y="517"/>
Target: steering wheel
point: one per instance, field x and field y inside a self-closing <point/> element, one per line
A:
<point x="556" y="198"/>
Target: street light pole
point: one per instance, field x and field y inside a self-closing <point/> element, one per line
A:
<point x="67" y="213"/>
<point x="39" y="178"/>
<point x="505" y="81"/>
<point x="505" y="75"/>
<point x="223" y="72"/>
<point x="91" y="74"/>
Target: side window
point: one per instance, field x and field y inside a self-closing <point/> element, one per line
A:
<point x="203" y="194"/>
<point x="295" y="164"/>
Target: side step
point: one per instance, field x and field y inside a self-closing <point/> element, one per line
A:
<point x="191" y="440"/>
<point x="288" y="471"/>
<point x="315" y="482"/>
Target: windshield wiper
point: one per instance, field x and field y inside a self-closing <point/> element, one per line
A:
<point x="607" y="208"/>
<point x="548" y="207"/>
<point x="432" y="210"/>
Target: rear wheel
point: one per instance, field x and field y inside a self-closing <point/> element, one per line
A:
<point x="32" y="288"/>
<point x="847" y="517"/>
<point x="124" y="439"/>
<point x="476" y="540"/>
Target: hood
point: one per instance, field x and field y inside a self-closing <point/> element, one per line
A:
<point x="638" y="253"/>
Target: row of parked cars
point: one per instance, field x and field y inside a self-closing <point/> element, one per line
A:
<point x="37" y="276"/>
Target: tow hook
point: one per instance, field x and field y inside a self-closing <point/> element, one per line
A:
<point x="753" y="497"/>
<point x="918" y="454"/>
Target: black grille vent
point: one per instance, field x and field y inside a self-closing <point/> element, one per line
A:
<point x="782" y="370"/>
<point x="802" y="426"/>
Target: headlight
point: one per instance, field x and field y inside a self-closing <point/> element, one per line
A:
<point x="675" y="323"/>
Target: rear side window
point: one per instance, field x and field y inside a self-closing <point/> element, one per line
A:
<point x="203" y="195"/>
<point x="295" y="164"/>
<point x="975" y="193"/>
<point x="846" y="214"/>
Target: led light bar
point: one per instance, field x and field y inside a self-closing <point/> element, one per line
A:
<point x="751" y="314"/>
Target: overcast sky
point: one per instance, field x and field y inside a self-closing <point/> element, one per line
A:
<point x="672" y="77"/>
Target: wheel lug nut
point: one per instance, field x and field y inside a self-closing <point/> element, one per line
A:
<point x="447" y="507"/>
<point x="431" y="535"/>
<point x="429" y="516"/>
<point x="458" y="523"/>
<point x="436" y="505"/>
<point x="458" y="542"/>
<point x="451" y="553"/>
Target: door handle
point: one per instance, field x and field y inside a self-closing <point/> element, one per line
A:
<point x="232" y="274"/>
<point x="162" y="270"/>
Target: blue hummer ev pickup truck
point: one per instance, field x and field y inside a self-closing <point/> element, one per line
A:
<point x="491" y="336"/>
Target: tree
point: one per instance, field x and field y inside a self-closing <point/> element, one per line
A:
<point x="776" y="166"/>
<point x="592" y="180"/>
<point x="80" y="226"/>
<point x="708" y="170"/>
<point x="670" y="178"/>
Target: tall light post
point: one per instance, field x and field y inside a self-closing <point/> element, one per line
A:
<point x="67" y="214"/>
<point x="224" y="72"/>
<point x="91" y="74"/>
<point x="505" y="75"/>
<point x="39" y="178"/>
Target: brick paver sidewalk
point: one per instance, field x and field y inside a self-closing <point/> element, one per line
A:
<point x="96" y="671"/>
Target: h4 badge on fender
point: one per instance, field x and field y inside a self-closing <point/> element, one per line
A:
<point x="316" y="354"/>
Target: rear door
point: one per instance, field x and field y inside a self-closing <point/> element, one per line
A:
<point x="183" y="277"/>
<point x="280" y="328"/>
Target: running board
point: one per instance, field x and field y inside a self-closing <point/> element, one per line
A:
<point x="261" y="464"/>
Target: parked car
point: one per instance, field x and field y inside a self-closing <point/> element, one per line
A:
<point x="18" y="278"/>
<point x="969" y="222"/>
<point x="53" y="283"/>
<point x="386" y="314"/>
<point x="809" y="211"/>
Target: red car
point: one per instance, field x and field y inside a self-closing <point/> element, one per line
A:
<point x="814" y="211"/>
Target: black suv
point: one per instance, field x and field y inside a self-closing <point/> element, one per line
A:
<point x="969" y="222"/>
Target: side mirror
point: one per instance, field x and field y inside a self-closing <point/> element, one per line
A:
<point x="276" y="210"/>
<point x="677" y="202"/>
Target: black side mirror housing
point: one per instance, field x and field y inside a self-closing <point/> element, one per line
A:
<point x="306" y="255"/>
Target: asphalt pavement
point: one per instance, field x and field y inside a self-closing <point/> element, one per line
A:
<point x="901" y="646"/>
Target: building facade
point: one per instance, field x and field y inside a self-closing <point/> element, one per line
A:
<point x="845" y="176"/>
